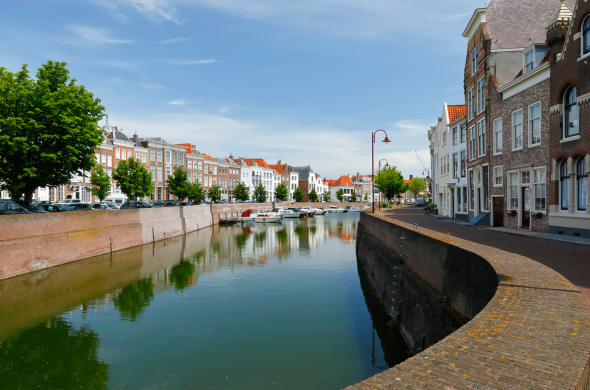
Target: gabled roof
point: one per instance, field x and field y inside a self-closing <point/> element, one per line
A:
<point x="189" y="147"/>
<point x="279" y="168"/>
<point x="303" y="172"/>
<point x="118" y="135"/>
<point x="209" y="158"/>
<point x="455" y="112"/>
<point x="344" y="181"/>
<point x="261" y="163"/>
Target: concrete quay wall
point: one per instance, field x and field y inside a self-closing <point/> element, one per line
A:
<point x="476" y="317"/>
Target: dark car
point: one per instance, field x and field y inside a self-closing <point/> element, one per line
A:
<point x="11" y="207"/>
<point x="88" y="206"/>
<point x="57" y="207"/>
<point x="420" y="203"/>
<point x="135" y="204"/>
<point x="185" y="203"/>
<point x="158" y="203"/>
<point x="43" y="202"/>
<point x="171" y="203"/>
<point x="33" y="208"/>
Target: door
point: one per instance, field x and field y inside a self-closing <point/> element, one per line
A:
<point x="477" y="208"/>
<point x="498" y="210"/>
<point x="453" y="203"/>
<point x="526" y="208"/>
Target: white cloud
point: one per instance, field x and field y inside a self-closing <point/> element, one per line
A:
<point x="155" y="9"/>
<point x="88" y="36"/>
<point x="193" y="62"/>
<point x="152" y="86"/>
<point x="179" y="102"/>
<point x="174" y="40"/>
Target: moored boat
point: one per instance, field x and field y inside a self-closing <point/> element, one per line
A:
<point x="252" y="215"/>
<point x="336" y="209"/>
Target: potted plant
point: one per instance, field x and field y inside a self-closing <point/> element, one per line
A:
<point x="537" y="214"/>
<point x="511" y="212"/>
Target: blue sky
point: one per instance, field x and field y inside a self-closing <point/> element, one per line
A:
<point x="301" y="81"/>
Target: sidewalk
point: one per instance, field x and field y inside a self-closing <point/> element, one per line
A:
<point x="544" y="236"/>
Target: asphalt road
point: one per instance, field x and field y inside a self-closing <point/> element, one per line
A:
<point x="570" y="260"/>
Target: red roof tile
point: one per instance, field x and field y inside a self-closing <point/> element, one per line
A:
<point x="279" y="168"/>
<point x="210" y="158"/>
<point x="456" y="112"/>
<point x="344" y="181"/>
<point x="261" y="163"/>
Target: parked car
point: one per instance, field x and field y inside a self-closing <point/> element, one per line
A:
<point x="88" y="206"/>
<point x="31" y="207"/>
<point x="71" y="201"/>
<point x="170" y="203"/>
<point x="43" y="202"/>
<point x="185" y="203"/>
<point x="57" y="207"/>
<point x="111" y="205"/>
<point x="135" y="204"/>
<point x="10" y="207"/>
<point x="420" y="203"/>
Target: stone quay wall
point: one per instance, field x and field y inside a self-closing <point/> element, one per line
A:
<point x="476" y="317"/>
<point x="33" y="242"/>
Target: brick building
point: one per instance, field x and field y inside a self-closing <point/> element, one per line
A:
<point x="363" y="186"/>
<point x="568" y="36"/>
<point x="287" y="176"/>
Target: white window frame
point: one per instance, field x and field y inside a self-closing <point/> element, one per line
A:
<point x="525" y="63"/>
<point x="152" y="154"/>
<point x="471" y="185"/>
<point x="480" y="95"/>
<point x="509" y="185"/>
<point x="474" y="59"/>
<point x="494" y="137"/>
<point x="530" y="124"/>
<point x="534" y="185"/>
<point x="168" y="155"/>
<point x="472" y="140"/>
<point x="481" y="138"/>
<point x="160" y="155"/>
<point x="498" y="173"/>
<point x="109" y="160"/>
<point x="123" y="154"/>
<point x="470" y="107"/>
<point x="513" y="127"/>
<point x="117" y="153"/>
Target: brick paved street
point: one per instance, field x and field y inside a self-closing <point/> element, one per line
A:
<point x="570" y="260"/>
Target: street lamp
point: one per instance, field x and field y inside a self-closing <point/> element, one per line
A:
<point x="386" y="164"/>
<point x="386" y="140"/>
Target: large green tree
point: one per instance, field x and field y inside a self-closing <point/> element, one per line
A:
<point x="416" y="186"/>
<point x="133" y="179"/>
<point x="281" y="192"/>
<point x="313" y="196"/>
<point x="178" y="183"/>
<point x="353" y="196"/>
<point x="298" y="195"/>
<point x="101" y="182"/>
<point x="195" y="194"/>
<point x="340" y="194"/>
<point x="214" y="193"/>
<point x="260" y="194"/>
<point x="48" y="129"/>
<point x="241" y="192"/>
<point x="326" y="196"/>
<point x="390" y="182"/>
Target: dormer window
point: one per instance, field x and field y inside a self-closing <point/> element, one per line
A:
<point x="533" y="56"/>
<point x="529" y="62"/>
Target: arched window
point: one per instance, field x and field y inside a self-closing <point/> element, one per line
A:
<point x="571" y="122"/>
<point x="586" y="36"/>
<point x="564" y="182"/>
<point x="581" y="184"/>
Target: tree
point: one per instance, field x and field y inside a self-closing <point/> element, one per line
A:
<point x="133" y="179"/>
<point x="313" y="196"/>
<point x="326" y="196"/>
<point x="298" y="195"/>
<point x="390" y="182"/>
<point x="366" y="197"/>
<point x="132" y="299"/>
<point x="281" y="192"/>
<point x="214" y="193"/>
<point x="195" y="192"/>
<point x="49" y="129"/>
<point x="340" y="194"/>
<point x="101" y="182"/>
<point x="241" y="192"/>
<point x="353" y="196"/>
<point x="260" y="194"/>
<point x="178" y="184"/>
<point x="416" y="186"/>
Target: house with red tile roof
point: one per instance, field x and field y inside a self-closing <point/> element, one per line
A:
<point x="343" y="183"/>
<point x="287" y="176"/>
<point x="255" y="172"/>
<point x="363" y="186"/>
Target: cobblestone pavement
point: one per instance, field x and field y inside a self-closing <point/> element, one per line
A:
<point x="570" y="260"/>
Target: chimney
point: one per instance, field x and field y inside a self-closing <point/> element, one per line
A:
<point x="135" y="135"/>
<point x="411" y="177"/>
<point x="231" y="156"/>
<point x="116" y="129"/>
<point x="279" y="163"/>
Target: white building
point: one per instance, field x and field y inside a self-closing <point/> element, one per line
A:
<point x="458" y="154"/>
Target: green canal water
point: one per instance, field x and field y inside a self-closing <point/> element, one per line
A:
<point x="263" y="306"/>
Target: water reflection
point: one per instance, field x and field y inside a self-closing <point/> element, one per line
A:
<point x="52" y="355"/>
<point x="133" y="280"/>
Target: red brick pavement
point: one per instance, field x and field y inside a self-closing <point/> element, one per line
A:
<point x="570" y="260"/>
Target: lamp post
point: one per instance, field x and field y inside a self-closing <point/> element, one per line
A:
<point x="386" y="164"/>
<point x="386" y="140"/>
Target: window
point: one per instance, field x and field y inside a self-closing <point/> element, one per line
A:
<point x="455" y="165"/>
<point x="215" y="170"/>
<point x="153" y="172"/>
<point x="571" y="113"/>
<point x="539" y="183"/>
<point x="463" y="163"/>
<point x="455" y="130"/>
<point x="117" y="153"/>
<point x="486" y="189"/>
<point x="471" y="103"/>
<point x="464" y="199"/>
<point x="513" y="191"/>
<point x="103" y="159"/>
<point x="517" y="130"/>
<point x="200" y="165"/>
<point x="498" y="179"/>
<point x="535" y="124"/>
<point x="582" y="185"/>
<point x="471" y="191"/>
<point x="472" y="142"/>
<point x="123" y="154"/>
<point x="480" y="99"/>
<point x="152" y="154"/>
<point x="159" y="155"/>
<point x="159" y="192"/>
<point x="526" y="177"/>
<point x="586" y="36"/>
<point x="481" y="137"/>
<point x="160" y="176"/>
<point x="474" y="55"/>
<point x="168" y="157"/>
<point x="109" y="160"/>
<point x="181" y="158"/>
<point x="143" y="158"/>
<point x="564" y="184"/>
<point x="444" y="137"/>
<point x="174" y="158"/>
<point x="97" y="155"/>
<point x="463" y="131"/>
<point x="498" y="136"/>
<point x="168" y="172"/>
<point x="529" y="61"/>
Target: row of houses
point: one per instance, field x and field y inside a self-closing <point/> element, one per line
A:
<point x="161" y="157"/>
<point x="517" y="152"/>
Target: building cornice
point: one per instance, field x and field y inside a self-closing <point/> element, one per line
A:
<point x="478" y="18"/>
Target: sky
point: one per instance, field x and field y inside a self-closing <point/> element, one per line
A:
<point x="305" y="82"/>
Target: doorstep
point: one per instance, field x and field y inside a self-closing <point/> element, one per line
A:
<point x="545" y="236"/>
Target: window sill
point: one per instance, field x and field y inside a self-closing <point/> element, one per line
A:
<point x="516" y="150"/>
<point x="569" y="139"/>
<point x="498" y="185"/>
<point x="497" y="154"/>
<point x="584" y="57"/>
<point x="534" y="146"/>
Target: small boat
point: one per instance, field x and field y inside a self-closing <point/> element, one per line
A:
<point x="336" y="209"/>
<point x="252" y="215"/>
<point x="351" y="209"/>
<point x="288" y="213"/>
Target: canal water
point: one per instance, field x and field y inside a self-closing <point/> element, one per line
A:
<point x="259" y="306"/>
